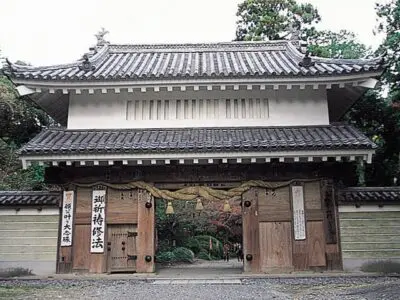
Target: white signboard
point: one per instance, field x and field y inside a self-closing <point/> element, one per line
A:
<point x="299" y="222"/>
<point x="98" y="221"/>
<point x="67" y="218"/>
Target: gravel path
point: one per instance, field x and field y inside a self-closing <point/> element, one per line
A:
<point x="343" y="288"/>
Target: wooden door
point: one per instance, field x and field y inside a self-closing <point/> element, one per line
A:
<point x="122" y="255"/>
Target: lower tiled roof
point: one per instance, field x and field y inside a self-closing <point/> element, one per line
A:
<point x="369" y="194"/>
<point x="29" y="198"/>
<point x="270" y="139"/>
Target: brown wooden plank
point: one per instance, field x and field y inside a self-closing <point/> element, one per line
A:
<point x="122" y="206"/>
<point x="83" y="218"/>
<point x="276" y="245"/>
<point x="250" y="229"/>
<point x="300" y="255"/>
<point x="278" y="216"/>
<point x="64" y="260"/>
<point x="312" y="195"/>
<point x="146" y="233"/>
<point x="83" y="211"/>
<point x="316" y="244"/>
<point x="275" y="201"/>
<point x="81" y="248"/>
<point x="275" y="207"/>
<point x="121" y="218"/>
<point x="314" y="215"/>
<point x="97" y="262"/>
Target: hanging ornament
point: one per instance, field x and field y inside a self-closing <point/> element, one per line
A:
<point x="227" y="207"/>
<point x="199" y="205"/>
<point x="170" y="209"/>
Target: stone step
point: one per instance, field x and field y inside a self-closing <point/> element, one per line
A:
<point x="197" y="281"/>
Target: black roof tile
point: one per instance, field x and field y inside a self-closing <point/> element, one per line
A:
<point x="174" y="61"/>
<point x="369" y="195"/>
<point x="29" y="198"/>
<point x="63" y="141"/>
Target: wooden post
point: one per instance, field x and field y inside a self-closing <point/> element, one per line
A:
<point x="251" y="231"/>
<point x="145" y="229"/>
<point x="64" y="254"/>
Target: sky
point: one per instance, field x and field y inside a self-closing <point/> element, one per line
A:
<point x="46" y="32"/>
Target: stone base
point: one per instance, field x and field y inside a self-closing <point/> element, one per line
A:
<point x="355" y="264"/>
<point x="37" y="267"/>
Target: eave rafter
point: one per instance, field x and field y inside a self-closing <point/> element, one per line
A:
<point x="26" y="87"/>
<point x="198" y="158"/>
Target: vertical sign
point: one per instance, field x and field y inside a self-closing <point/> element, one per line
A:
<point x="98" y="221"/>
<point x="299" y="222"/>
<point x="67" y="218"/>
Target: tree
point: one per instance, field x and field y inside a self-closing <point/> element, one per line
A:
<point x="274" y="19"/>
<point x="389" y="23"/>
<point x="20" y="120"/>
<point x="342" y="44"/>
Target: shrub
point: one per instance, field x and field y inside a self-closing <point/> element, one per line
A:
<point x="203" y="254"/>
<point x="383" y="267"/>
<point x="204" y="241"/>
<point x="193" y="245"/>
<point x="183" y="254"/>
<point x="15" y="272"/>
<point x="164" y="257"/>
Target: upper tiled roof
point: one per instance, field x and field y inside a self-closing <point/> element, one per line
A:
<point x="369" y="194"/>
<point x="29" y="198"/>
<point x="196" y="61"/>
<point x="62" y="141"/>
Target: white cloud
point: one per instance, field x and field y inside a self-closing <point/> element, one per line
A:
<point x="49" y="32"/>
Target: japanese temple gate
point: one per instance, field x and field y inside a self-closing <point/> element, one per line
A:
<point x="255" y="123"/>
<point x="287" y="225"/>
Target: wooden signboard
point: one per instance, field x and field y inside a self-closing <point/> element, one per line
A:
<point x="98" y="221"/>
<point x="67" y="219"/>
<point x="299" y="226"/>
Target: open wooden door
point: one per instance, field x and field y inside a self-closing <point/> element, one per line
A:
<point x="122" y="255"/>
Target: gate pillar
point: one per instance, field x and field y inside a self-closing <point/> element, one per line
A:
<point x="251" y="247"/>
<point x="146" y="233"/>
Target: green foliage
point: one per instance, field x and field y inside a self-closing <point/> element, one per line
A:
<point x="375" y="116"/>
<point x="342" y="44"/>
<point x="273" y="19"/>
<point x="177" y="255"/>
<point x="165" y="257"/>
<point x="193" y="244"/>
<point x="382" y="267"/>
<point x="20" y="120"/>
<point x="183" y="254"/>
<point x="389" y="23"/>
<point x="204" y="242"/>
<point x="378" y="112"/>
<point x="203" y="254"/>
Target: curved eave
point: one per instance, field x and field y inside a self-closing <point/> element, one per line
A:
<point x="272" y="80"/>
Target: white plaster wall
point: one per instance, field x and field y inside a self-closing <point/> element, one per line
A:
<point x="293" y="107"/>
<point x="28" y="239"/>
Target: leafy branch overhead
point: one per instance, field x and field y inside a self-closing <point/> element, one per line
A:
<point x="274" y="19"/>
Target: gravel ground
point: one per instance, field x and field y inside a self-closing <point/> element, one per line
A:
<point x="343" y="288"/>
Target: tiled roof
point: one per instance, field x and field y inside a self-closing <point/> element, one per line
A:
<point x="369" y="194"/>
<point x="62" y="141"/>
<point x="196" y="61"/>
<point x="29" y="198"/>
